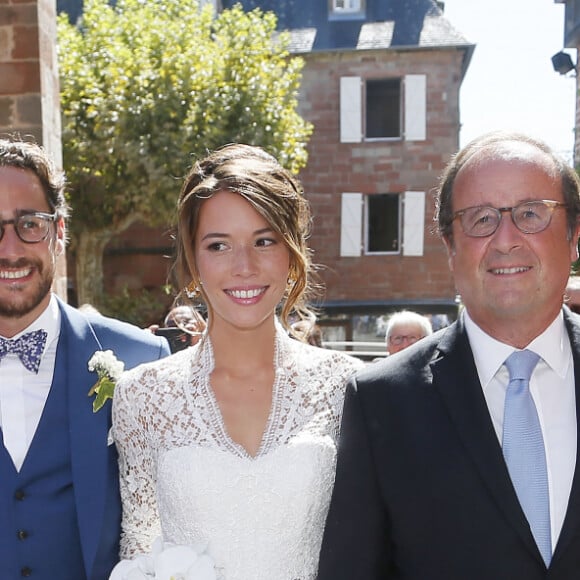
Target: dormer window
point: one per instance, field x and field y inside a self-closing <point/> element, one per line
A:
<point x="343" y="6"/>
<point x="346" y="8"/>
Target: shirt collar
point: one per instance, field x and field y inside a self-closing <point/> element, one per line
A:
<point x="553" y="345"/>
<point x="49" y="320"/>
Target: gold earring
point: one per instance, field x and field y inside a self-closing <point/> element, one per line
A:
<point x="290" y="284"/>
<point x="192" y="290"/>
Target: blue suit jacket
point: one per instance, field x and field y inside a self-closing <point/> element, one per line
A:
<point x="422" y="490"/>
<point x="94" y="461"/>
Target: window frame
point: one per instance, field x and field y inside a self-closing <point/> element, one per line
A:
<point x="410" y="230"/>
<point x="368" y="199"/>
<point x="336" y="13"/>
<point x="413" y="109"/>
<point x="400" y="112"/>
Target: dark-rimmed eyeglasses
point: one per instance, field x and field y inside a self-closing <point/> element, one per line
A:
<point x="399" y="339"/>
<point x="530" y="217"/>
<point x="31" y="227"/>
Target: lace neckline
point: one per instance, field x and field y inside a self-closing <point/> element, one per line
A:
<point x="267" y="441"/>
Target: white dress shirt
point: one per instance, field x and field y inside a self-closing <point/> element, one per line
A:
<point x="553" y="390"/>
<point x="23" y="394"/>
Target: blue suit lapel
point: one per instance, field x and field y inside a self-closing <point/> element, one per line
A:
<point x="455" y="377"/>
<point x="88" y="431"/>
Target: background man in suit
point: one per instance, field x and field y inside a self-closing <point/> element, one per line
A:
<point x="59" y="494"/>
<point x="423" y="491"/>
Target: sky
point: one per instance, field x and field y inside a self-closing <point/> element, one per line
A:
<point x="510" y="83"/>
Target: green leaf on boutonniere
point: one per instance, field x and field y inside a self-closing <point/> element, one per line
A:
<point x="108" y="369"/>
<point x="104" y="389"/>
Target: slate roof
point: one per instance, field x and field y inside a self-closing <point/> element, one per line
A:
<point x="436" y="31"/>
<point x="384" y="24"/>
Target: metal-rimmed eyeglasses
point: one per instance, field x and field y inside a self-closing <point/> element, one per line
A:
<point x="31" y="226"/>
<point x="530" y="217"/>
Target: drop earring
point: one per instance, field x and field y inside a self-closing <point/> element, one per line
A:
<point x="192" y="290"/>
<point x="290" y="284"/>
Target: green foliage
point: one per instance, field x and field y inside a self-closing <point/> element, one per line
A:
<point x="146" y="86"/>
<point x="149" y="85"/>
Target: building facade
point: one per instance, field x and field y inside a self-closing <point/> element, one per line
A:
<point x="381" y="87"/>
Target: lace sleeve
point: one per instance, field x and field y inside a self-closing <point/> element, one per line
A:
<point x="140" y="524"/>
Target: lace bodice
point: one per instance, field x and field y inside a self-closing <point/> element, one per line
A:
<point x="183" y="477"/>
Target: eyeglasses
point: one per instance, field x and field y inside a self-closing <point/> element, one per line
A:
<point x="400" y="338"/>
<point x="31" y="228"/>
<point x="530" y="217"/>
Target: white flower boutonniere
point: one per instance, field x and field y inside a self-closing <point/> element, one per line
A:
<point x="167" y="561"/>
<point x="108" y="369"/>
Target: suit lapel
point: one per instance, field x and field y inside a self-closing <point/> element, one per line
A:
<point x="455" y="377"/>
<point x="571" y="524"/>
<point x="88" y="431"/>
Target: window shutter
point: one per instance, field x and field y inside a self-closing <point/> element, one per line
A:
<point x="350" y="110"/>
<point x="415" y="107"/>
<point x="351" y="224"/>
<point x="413" y="223"/>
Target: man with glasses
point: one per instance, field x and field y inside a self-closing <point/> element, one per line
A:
<point x="405" y="328"/>
<point x="458" y="457"/>
<point x="59" y="493"/>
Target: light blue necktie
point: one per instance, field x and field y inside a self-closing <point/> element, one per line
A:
<point x="523" y="449"/>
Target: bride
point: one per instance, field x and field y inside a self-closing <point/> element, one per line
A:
<point x="232" y="443"/>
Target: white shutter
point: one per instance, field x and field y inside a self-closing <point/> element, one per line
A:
<point x="413" y="223"/>
<point x="415" y="107"/>
<point x="350" y="110"/>
<point x="351" y="224"/>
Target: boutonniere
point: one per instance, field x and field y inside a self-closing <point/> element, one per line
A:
<point x="108" y="369"/>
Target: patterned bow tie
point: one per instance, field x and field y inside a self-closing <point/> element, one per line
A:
<point x="28" y="348"/>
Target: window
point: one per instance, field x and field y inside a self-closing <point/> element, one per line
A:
<point x="382" y="223"/>
<point x="346" y="5"/>
<point x="393" y="223"/>
<point x="383" y="108"/>
<point x="394" y="108"/>
<point x="346" y="9"/>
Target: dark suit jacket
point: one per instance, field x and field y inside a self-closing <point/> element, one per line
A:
<point x="94" y="462"/>
<point x="422" y="491"/>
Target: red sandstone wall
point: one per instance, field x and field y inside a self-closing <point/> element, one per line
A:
<point x="378" y="167"/>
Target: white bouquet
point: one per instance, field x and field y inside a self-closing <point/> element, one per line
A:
<point x="167" y="561"/>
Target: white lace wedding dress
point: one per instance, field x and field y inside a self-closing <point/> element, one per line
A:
<point x="183" y="477"/>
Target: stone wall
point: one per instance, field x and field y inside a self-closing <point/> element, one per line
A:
<point x="380" y="166"/>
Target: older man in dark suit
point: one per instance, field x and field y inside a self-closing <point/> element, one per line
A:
<point x="458" y="457"/>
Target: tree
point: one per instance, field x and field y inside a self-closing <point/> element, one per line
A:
<point x="149" y="85"/>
